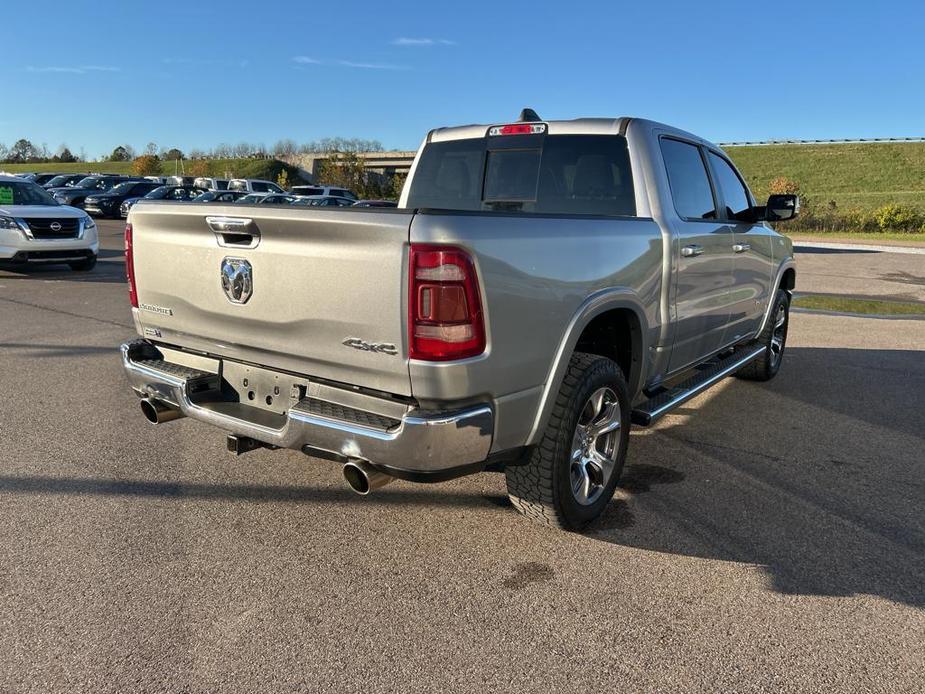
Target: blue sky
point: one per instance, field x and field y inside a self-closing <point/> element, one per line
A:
<point x="190" y="74"/>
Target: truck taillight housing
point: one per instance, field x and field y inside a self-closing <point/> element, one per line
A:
<point x="444" y="307"/>
<point x="130" y="267"/>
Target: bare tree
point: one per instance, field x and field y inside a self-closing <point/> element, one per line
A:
<point x="341" y="144"/>
<point x="284" y="148"/>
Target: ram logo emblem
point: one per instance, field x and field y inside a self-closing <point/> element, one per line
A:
<point x="237" y="280"/>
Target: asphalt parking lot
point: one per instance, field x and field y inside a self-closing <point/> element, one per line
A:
<point x="766" y="537"/>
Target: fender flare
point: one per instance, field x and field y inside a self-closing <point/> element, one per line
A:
<point x="596" y="304"/>
<point x="787" y="264"/>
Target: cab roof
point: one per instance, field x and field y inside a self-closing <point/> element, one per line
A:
<point x="577" y="126"/>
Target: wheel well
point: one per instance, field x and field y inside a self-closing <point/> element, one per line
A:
<point x="789" y="279"/>
<point x="615" y="334"/>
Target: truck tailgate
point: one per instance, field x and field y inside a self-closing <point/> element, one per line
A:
<point x="318" y="278"/>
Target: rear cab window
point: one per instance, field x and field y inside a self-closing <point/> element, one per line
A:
<point x="533" y="173"/>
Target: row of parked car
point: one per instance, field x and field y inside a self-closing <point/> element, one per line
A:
<point x="113" y="195"/>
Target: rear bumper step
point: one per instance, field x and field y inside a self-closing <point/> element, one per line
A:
<point x="664" y="402"/>
<point x="419" y="442"/>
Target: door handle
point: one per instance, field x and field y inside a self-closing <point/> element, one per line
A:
<point x="691" y="251"/>
<point x="741" y="247"/>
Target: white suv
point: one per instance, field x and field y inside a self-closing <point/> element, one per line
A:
<point x="254" y="185"/>
<point x="323" y="190"/>
<point x="36" y="228"/>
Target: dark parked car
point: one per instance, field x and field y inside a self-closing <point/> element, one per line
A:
<point x="276" y="199"/>
<point x="219" y="196"/>
<point x="173" y="193"/>
<point x="324" y="201"/>
<point x="41" y="179"/>
<point x="64" y="180"/>
<point x="89" y="185"/>
<point x="108" y="204"/>
<point x="375" y="203"/>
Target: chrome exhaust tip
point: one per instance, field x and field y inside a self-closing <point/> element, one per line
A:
<point x="363" y="477"/>
<point x="158" y="412"/>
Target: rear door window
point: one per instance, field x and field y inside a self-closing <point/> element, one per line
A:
<point x="688" y="180"/>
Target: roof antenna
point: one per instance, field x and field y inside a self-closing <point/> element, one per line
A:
<point x="528" y="115"/>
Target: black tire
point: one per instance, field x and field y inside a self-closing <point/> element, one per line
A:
<point x="542" y="489"/>
<point x="84" y="265"/>
<point x="765" y="367"/>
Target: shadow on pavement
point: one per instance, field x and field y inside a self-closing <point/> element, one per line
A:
<point x="797" y="248"/>
<point x="816" y="478"/>
<point x="418" y="495"/>
<point x="61" y="350"/>
<point x="106" y="271"/>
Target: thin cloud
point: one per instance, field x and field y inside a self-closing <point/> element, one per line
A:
<point x="73" y="69"/>
<point x="406" y="41"/>
<point x="209" y="61"/>
<point x="370" y="66"/>
<point x="305" y="60"/>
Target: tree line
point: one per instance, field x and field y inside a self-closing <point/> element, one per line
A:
<point x="24" y="151"/>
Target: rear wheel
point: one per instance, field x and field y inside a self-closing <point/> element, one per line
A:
<point x="774" y="338"/>
<point x="84" y="265"/>
<point x="573" y="473"/>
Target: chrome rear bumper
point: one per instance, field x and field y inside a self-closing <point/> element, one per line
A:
<point x="420" y="442"/>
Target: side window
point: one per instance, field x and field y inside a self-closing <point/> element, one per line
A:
<point x="734" y="193"/>
<point x="259" y="187"/>
<point x="687" y="177"/>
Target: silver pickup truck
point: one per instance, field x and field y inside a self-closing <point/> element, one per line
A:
<point x="542" y="286"/>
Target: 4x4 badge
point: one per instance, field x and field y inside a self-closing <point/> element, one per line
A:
<point x="364" y="346"/>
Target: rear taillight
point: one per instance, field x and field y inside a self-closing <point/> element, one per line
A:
<point x="130" y="267"/>
<point x="444" y="308"/>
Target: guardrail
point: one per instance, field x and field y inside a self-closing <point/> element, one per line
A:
<point x="862" y="140"/>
